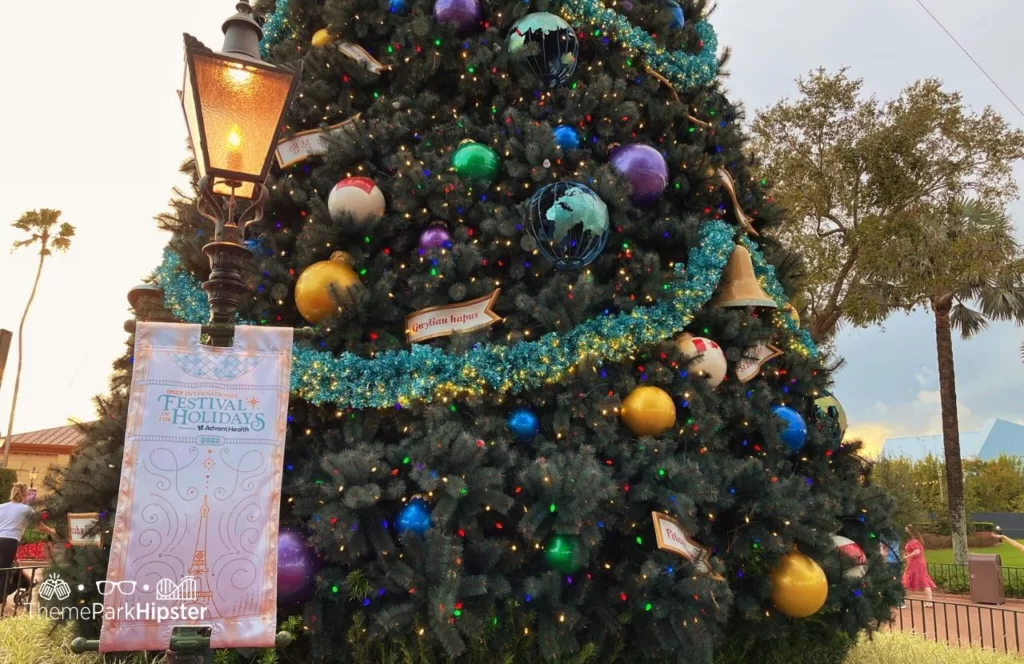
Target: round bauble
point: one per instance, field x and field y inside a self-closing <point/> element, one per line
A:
<point x="793" y="314"/>
<point x="648" y="411"/>
<point x="709" y="360"/>
<point x="828" y="400"/>
<point x="296" y="567"/>
<point x="414" y="518"/>
<point x="436" y="236"/>
<point x="799" y="586"/>
<point x="464" y="14"/>
<point x="644" y="168"/>
<point x="524" y="425"/>
<point x="678" y="20"/>
<point x="569" y="223"/>
<point x="546" y="45"/>
<point x="561" y="553"/>
<point x="321" y="38"/>
<point x="794" y="435"/>
<point x="359" y="198"/>
<point x="397" y="6"/>
<point x="566" y="137"/>
<point x="851" y="557"/>
<point x="476" y="161"/>
<point x="324" y="288"/>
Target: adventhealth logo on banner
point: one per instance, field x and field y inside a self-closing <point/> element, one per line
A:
<point x="56" y="590"/>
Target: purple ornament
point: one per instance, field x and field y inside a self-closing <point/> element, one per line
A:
<point x="435" y="237"/>
<point x="645" y="169"/>
<point x="296" y="565"/>
<point x="465" y="14"/>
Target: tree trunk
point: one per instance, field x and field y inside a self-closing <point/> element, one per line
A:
<point x="21" y="343"/>
<point x="950" y="429"/>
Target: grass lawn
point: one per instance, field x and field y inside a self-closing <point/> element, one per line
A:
<point x="1010" y="556"/>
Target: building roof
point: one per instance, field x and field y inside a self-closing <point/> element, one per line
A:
<point x="58" y="440"/>
<point x="995" y="438"/>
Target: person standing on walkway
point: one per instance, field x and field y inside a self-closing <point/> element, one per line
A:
<point x="916" y="577"/>
<point x="15" y="517"/>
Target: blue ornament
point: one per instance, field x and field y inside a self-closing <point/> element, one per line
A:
<point x="569" y="223"/>
<point x="566" y="137"/>
<point x="255" y="246"/>
<point x="795" y="433"/>
<point x="524" y="425"/>
<point x="397" y="6"/>
<point x="678" y="20"/>
<point x="414" y="517"/>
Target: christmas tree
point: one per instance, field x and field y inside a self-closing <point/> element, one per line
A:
<point x="557" y="406"/>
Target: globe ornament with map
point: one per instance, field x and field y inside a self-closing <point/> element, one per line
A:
<point x="546" y="45"/>
<point x="569" y="223"/>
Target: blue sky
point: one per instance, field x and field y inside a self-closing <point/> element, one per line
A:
<point x="96" y="131"/>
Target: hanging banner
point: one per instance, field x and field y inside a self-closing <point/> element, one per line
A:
<point x="749" y="367"/>
<point x="447" y="320"/>
<point x="195" y="536"/>
<point x="306" y="144"/>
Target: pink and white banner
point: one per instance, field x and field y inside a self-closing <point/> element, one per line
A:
<point x="195" y="538"/>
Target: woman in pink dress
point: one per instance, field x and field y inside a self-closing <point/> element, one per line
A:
<point x="916" y="575"/>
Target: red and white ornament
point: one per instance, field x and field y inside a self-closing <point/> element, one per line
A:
<point x="709" y="360"/>
<point x="358" y="197"/>
<point x="854" y="562"/>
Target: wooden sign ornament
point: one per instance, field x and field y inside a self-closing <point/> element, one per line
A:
<point x="306" y="144"/>
<point x="448" y="319"/>
<point x="673" y="537"/>
<point x="78" y="525"/>
<point x="748" y="368"/>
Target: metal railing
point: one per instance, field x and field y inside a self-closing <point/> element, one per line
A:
<point x="17" y="589"/>
<point x="955" y="579"/>
<point x="954" y="624"/>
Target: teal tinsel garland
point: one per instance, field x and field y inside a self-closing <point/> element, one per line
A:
<point x="684" y="70"/>
<point x="273" y="27"/>
<point x="397" y="378"/>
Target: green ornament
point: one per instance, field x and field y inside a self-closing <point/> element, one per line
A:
<point x="560" y="553"/>
<point x="476" y="161"/>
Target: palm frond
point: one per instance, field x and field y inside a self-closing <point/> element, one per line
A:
<point x="967" y="321"/>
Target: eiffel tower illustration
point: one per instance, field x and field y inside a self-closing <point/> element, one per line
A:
<point x="198" y="569"/>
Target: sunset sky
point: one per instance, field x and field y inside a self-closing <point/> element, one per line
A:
<point x="94" y="129"/>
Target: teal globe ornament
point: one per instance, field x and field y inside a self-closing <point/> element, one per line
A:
<point x="570" y="224"/>
<point x="546" y="45"/>
<point x="414" y="517"/>
<point x="476" y="161"/>
<point x="524" y="425"/>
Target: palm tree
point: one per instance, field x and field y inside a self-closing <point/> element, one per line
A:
<point x="963" y="264"/>
<point x="41" y="225"/>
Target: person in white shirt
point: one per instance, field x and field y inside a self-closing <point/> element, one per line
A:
<point x="15" y="517"/>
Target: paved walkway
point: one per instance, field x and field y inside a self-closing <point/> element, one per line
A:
<point x="955" y="620"/>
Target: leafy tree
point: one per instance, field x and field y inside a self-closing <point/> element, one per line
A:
<point x="846" y="167"/>
<point x="900" y="478"/>
<point x="962" y="263"/>
<point x="1000" y="483"/>
<point x="48" y="234"/>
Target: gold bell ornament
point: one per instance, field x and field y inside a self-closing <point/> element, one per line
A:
<point x="739" y="286"/>
<point x="648" y="411"/>
<point x="799" y="586"/>
<point x="324" y="288"/>
<point x="793" y="314"/>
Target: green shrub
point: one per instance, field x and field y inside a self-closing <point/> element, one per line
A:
<point x="26" y="639"/>
<point x="983" y="526"/>
<point x="900" y="648"/>
<point x="811" y="642"/>
<point x="7" y="479"/>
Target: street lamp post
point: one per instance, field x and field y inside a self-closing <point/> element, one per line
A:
<point x="234" y="104"/>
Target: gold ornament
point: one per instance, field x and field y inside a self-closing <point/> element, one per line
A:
<point x="829" y="400"/>
<point x="799" y="586"/>
<point x="739" y="286"/>
<point x="793" y="313"/>
<point x="321" y="38"/>
<point x="323" y="288"/>
<point x="648" y="411"/>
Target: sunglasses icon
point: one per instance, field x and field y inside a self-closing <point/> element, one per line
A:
<point x="124" y="587"/>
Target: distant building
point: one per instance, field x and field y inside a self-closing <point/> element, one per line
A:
<point x="34" y="452"/>
<point x="995" y="438"/>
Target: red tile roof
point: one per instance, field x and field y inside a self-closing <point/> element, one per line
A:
<point x="59" y="440"/>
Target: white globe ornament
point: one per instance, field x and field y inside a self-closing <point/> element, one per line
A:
<point x="708" y="359"/>
<point x="357" y="197"/>
<point x="852" y="559"/>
